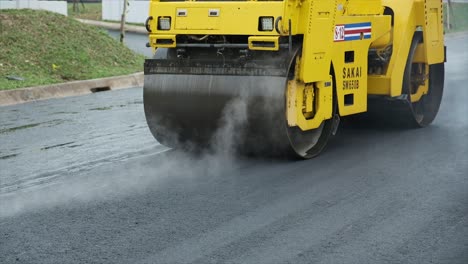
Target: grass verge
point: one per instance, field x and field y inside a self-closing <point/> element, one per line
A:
<point x="50" y="48"/>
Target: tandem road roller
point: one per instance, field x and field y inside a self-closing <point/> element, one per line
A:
<point x="296" y="66"/>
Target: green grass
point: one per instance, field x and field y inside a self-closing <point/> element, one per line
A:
<point x="92" y="11"/>
<point x="459" y="17"/>
<point x="50" y="48"/>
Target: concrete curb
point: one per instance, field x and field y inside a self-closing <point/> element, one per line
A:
<point x="24" y="95"/>
<point x="114" y="26"/>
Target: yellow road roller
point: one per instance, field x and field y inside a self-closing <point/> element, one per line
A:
<point x="296" y="66"/>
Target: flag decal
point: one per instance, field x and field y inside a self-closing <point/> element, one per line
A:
<point x="357" y="31"/>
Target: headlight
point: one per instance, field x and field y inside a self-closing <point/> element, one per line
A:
<point x="164" y="23"/>
<point x="265" y="24"/>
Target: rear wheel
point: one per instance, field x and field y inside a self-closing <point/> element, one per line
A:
<point x="423" y="88"/>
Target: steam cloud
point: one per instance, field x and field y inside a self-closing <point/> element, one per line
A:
<point x="139" y="173"/>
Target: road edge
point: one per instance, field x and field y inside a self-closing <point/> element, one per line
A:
<point x="114" y="26"/>
<point x="75" y="88"/>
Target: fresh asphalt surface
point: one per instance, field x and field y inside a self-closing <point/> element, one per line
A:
<point x="83" y="181"/>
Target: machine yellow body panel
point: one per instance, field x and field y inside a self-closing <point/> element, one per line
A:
<point x="234" y="18"/>
<point x="318" y="40"/>
<point x="351" y="74"/>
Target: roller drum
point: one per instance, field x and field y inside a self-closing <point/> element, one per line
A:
<point x="231" y="105"/>
<point x="191" y="109"/>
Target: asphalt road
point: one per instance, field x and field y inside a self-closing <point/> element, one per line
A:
<point x="82" y="181"/>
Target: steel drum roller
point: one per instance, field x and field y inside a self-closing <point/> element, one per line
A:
<point x="186" y="104"/>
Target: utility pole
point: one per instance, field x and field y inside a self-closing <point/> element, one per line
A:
<point x="122" y="22"/>
<point x="450" y="10"/>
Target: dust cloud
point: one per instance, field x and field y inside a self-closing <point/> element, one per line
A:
<point x="230" y="132"/>
<point x="118" y="178"/>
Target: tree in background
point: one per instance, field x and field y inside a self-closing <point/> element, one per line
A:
<point x="76" y="5"/>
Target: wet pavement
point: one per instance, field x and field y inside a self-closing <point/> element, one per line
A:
<point x="83" y="181"/>
<point x="41" y="140"/>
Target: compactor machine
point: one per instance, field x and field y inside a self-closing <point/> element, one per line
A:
<point x="293" y="66"/>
